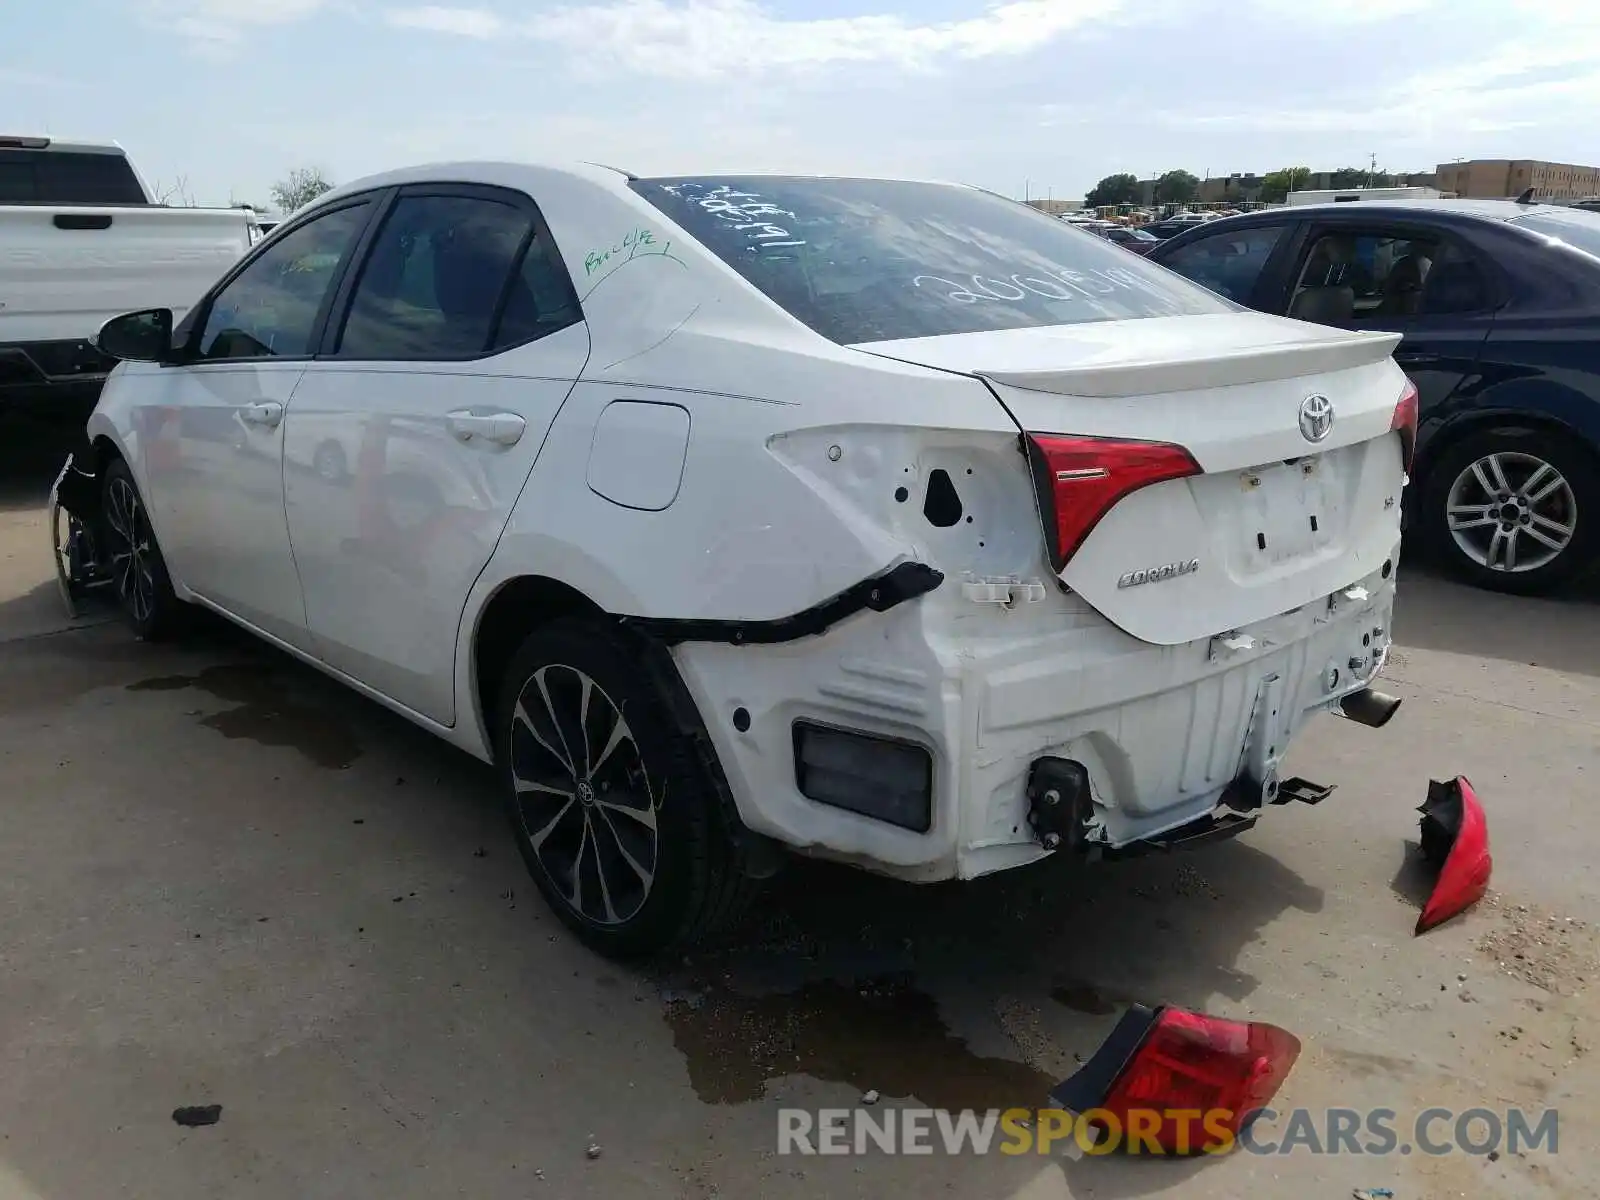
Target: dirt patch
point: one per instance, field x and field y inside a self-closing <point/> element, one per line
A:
<point x="1558" y="953"/>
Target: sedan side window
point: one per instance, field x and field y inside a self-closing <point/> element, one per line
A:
<point x="1456" y="284"/>
<point x="270" y="309"/>
<point x="1355" y="276"/>
<point x="432" y="287"/>
<point x="1229" y="263"/>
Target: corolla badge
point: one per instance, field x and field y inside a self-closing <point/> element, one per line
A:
<point x="1316" y="417"/>
<point x="1159" y="574"/>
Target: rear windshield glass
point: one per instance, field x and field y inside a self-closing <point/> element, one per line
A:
<point x="1578" y="229"/>
<point x="67" y="177"/>
<point x="865" y="260"/>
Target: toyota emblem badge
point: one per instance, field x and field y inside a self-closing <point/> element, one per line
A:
<point x="1316" y="417"/>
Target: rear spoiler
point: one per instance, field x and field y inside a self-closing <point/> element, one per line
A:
<point x="1204" y="370"/>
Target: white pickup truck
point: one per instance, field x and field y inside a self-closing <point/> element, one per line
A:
<point x="80" y="241"/>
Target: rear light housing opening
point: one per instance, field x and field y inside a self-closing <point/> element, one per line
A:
<point x="1080" y="479"/>
<point x="1180" y="1082"/>
<point x="1405" y="424"/>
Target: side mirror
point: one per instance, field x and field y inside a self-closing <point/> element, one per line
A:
<point x="144" y="336"/>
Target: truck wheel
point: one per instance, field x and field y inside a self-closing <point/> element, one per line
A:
<point x="133" y="558"/>
<point x="1514" y="509"/>
<point x="616" y="817"/>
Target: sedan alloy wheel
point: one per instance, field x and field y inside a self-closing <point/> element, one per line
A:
<point x="1511" y="511"/>
<point x="584" y="799"/>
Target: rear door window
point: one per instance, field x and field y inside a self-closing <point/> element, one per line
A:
<point x="865" y="260"/>
<point x="431" y="287"/>
<point x="1366" y="276"/>
<point x="1229" y="262"/>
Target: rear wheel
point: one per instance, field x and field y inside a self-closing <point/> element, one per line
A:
<point x="1514" y="509"/>
<point x="132" y="556"/>
<point x="617" y="819"/>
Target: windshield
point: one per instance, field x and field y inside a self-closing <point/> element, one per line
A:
<point x="1577" y="228"/>
<point x="865" y="260"/>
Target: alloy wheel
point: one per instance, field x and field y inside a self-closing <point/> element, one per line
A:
<point x="583" y="797"/>
<point x="131" y="552"/>
<point x="1512" y="512"/>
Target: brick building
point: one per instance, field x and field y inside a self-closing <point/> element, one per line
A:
<point x="1497" y="178"/>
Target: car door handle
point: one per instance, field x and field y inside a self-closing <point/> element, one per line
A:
<point x="1417" y="360"/>
<point x="502" y="428"/>
<point x="267" y="413"/>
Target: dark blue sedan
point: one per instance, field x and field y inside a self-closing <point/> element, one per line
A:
<point x="1499" y="305"/>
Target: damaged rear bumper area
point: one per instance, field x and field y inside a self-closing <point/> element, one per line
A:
<point x="925" y="742"/>
<point x="74" y="521"/>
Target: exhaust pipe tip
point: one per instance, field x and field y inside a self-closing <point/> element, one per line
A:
<point x="1370" y="707"/>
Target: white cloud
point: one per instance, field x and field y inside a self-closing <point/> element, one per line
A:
<point x="1551" y="66"/>
<point x="220" y="25"/>
<point x="463" y="22"/>
<point x="709" y="38"/>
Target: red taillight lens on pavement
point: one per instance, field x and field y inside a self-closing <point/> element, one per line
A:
<point x="1079" y="479"/>
<point x="1405" y="423"/>
<point x="1182" y="1082"/>
<point x="1455" y="837"/>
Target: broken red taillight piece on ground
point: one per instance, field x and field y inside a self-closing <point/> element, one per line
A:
<point x="1455" y="840"/>
<point x="1180" y="1079"/>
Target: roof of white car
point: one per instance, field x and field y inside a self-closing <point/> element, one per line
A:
<point x="489" y="171"/>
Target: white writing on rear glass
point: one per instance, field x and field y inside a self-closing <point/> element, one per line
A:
<point x="1052" y="285"/>
<point x="749" y="213"/>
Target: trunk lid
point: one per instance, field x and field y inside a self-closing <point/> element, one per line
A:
<point x="1261" y="511"/>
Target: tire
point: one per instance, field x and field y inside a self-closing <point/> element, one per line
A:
<point x="139" y="577"/>
<point x="1513" y="509"/>
<point x="645" y="764"/>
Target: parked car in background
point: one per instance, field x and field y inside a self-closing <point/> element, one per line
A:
<point x="732" y="513"/>
<point x="1182" y="222"/>
<point x="80" y="241"/>
<point x="1498" y="303"/>
<point x="1130" y="237"/>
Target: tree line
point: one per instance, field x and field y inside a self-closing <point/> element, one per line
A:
<point x="1181" y="187"/>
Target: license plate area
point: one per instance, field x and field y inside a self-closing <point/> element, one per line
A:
<point x="1283" y="513"/>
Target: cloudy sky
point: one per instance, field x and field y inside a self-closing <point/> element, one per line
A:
<point x="227" y="95"/>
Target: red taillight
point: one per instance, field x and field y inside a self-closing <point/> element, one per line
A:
<point x="1197" y="1080"/>
<point x="1405" y="423"/>
<point x="1455" y="836"/>
<point x="1079" y="480"/>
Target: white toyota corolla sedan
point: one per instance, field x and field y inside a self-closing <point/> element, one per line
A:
<point x="887" y="521"/>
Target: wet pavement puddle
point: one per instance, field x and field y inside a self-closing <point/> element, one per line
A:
<point x="265" y="712"/>
<point x="878" y="1035"/>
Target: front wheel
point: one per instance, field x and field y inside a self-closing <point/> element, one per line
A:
<point x="616" y="817"/>
<point x="133" y="558"/>
<point x="1514" y="509"/>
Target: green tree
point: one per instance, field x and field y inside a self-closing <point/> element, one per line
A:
<point x="299" y="188"/>
<point x="1114" y="189"/>
<point x="1357" y="177"/>
<point x="1276" y="185"/>
<point x="1177" y="187"/>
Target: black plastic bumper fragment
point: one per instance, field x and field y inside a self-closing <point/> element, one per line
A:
<point x="878" y="593"/>
<point x="1087" y="1088"/>
<point x="1199" y="832"/>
